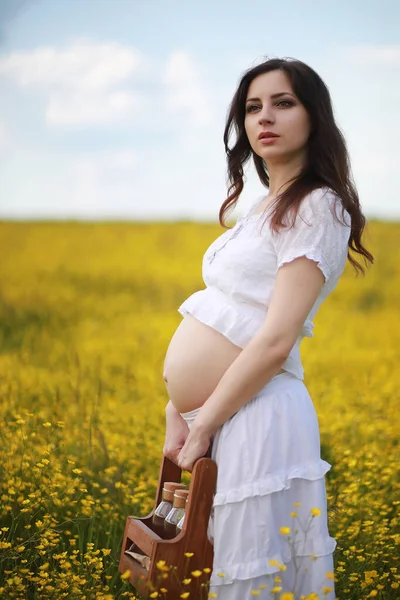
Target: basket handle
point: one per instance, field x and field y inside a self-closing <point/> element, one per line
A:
<point x="169" y="471"/>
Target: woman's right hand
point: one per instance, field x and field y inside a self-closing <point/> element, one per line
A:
<point x="176" y="433"/>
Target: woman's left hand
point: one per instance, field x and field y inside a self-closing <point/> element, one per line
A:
<point x="196" y="446"/>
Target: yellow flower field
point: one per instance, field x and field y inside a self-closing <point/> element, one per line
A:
<point x="86" y="314"/>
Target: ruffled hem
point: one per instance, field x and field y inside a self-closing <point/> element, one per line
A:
<point x="207" y="307"/>
<point x="275" y="482"/>
<point x="317" y="546"/>
<point x="238" y="323"/>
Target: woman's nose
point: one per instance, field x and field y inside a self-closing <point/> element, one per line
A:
<point x="266" y="116"/>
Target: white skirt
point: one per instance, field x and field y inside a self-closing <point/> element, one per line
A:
<point x="269" y="522"/>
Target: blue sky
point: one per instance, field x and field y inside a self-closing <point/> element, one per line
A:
<point x="116" y="108"/>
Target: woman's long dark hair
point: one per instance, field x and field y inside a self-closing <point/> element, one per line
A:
<point x="327" y="163"/>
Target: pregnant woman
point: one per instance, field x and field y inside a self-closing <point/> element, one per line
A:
<point x="233" y="370"/>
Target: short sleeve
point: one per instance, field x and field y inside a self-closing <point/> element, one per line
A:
<point x="317" y="234"/>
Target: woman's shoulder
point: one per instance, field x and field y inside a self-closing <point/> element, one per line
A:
<point x="324" y="203"/>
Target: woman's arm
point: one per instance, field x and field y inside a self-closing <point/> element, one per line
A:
<point x="296" y="289"/>
<point x="247" y="375"/>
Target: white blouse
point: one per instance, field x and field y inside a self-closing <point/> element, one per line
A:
<point x="239" y="268"/>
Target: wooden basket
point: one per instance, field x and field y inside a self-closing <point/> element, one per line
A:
<point x="143" y="547"/>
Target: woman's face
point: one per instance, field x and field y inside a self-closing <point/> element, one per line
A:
<point x="272" y="106"/>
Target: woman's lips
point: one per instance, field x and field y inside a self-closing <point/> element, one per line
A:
<point x="268" y="140"/>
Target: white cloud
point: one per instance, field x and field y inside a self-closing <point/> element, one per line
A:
<point x="84" y="64"/>
<point x="90" y="83"/>
<point x="185" y="90"/>
<point x="86" y="83"/>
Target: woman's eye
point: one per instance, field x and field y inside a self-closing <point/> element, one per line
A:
<point x="287" y="102"/>
<point x="281" y="103"/>
<point x="250" y="107"/>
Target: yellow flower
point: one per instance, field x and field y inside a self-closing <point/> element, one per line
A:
<point x="154" y="595"/>
<point x="329" y="575"/>
<point x="221" y="574"/>
<point x="273" y="563"/>
<point x="285" y="530"/>
<point x="163" y="590"/>
<point x="276" y="588"/>
<point x="287" y="596"/>
<point x="106" y="551"/>
<point x="47" y="424"/>
<point x="282" y="567"/>
<point x="186" y="581"/>
<point x="207" y="570"/>
<point x="185" y="595"/>
<point x="296" y="503"/>
<point x="373" y="593"/>
<point x="326" y="589"/>
<point x="126" y="574"/>
<point x="262" y="586"/>
<point x="20" y="548"/>
<point x="255" y="592"/>
<point x="212" y="595"/>
<point x="189" y="554"/>
<point x="316" y="512"/>
<point x="197" y="573"/>
<point x="293" y="514"/>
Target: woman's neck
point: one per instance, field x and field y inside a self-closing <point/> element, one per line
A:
<point x="281" y="175"/>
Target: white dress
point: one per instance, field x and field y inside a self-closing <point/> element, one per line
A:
<point x="269" y="516"/>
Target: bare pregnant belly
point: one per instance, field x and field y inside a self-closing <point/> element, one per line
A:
<point x="196" y="359"/>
